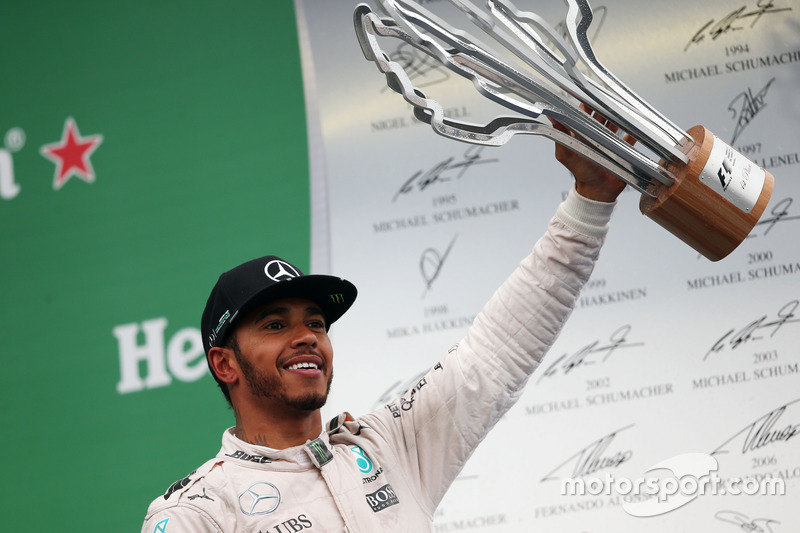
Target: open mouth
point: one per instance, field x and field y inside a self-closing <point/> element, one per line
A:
<point x="303" y="366"/>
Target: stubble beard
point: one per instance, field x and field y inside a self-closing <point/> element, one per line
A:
<point x="270" y="387"/>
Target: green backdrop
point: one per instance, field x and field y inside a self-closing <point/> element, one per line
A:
<point x="201" y="164"/>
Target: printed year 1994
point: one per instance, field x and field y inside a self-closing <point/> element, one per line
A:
<point x="737" y="49"/>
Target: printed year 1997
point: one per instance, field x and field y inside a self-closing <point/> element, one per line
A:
<point x="746" y="149"/>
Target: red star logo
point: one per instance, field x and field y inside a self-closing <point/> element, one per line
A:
<point x="71" y="154"/>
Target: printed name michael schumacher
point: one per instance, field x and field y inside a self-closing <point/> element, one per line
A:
<point x="733" y="378"/>
<point x="742" y="65"/>
<point x="647" y="391"/>
<point x="451" y="215"/>
<point x="770" y="271"/>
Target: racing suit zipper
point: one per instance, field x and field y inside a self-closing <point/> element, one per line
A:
<point x="320" y="455"/>
<point x="337" y="501"/>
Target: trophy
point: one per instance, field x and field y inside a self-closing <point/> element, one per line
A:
<point x="692" y="183"/>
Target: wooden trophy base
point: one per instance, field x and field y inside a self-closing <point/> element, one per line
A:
<point x="700" y="216"/>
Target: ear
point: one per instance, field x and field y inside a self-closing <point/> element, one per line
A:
<point x="223" y="362"/>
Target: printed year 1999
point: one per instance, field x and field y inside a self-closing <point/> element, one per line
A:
<point x="595" y="283"/>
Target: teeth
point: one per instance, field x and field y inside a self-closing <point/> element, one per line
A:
<point x="303" y="365"/>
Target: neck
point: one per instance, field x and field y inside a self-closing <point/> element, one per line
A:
<point x="278" y="428"/>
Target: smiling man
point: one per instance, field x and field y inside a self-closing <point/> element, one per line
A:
<point x="288" y="338"/>
<point x="265" y="329"/>
<point x="278" y="367"/>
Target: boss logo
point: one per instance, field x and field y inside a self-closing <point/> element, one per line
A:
<point x="382" y="498"/>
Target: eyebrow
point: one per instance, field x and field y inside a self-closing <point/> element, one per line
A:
<point x="281" y="310"/>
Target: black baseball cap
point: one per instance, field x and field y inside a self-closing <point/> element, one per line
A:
<point x="259" y="281"/>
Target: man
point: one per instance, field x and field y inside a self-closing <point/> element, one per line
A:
<point x="265" y="329"/>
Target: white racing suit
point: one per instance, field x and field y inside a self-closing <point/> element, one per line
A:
<point x="387" y="471"/>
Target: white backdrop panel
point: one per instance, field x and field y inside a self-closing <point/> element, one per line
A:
<point x="666" y="353"/>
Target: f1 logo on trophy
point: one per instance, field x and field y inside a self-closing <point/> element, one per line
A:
<point x="692" y="183"/>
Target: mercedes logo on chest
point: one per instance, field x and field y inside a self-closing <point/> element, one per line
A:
<point x="259" y="498"/>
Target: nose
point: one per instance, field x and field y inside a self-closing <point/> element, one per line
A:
<point x="304" y="336"/>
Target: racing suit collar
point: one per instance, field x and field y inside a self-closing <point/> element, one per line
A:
<point x="262" y="457"/>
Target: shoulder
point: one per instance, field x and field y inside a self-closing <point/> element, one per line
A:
<point x="194" y="501"/>
<point x="180" y="519"/>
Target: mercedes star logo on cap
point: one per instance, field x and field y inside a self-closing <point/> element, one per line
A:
<point x="278" y="270"/>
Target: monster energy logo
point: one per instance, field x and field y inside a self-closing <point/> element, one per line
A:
<point x="320" y="452"/>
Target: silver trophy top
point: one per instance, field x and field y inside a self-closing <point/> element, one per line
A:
<point x="553" y="76"/>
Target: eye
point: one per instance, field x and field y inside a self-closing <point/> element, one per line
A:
<point x="273" y="324"/>
<point x="316" y="324"/>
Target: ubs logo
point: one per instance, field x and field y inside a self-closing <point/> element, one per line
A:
<point x="259" y="498"/>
